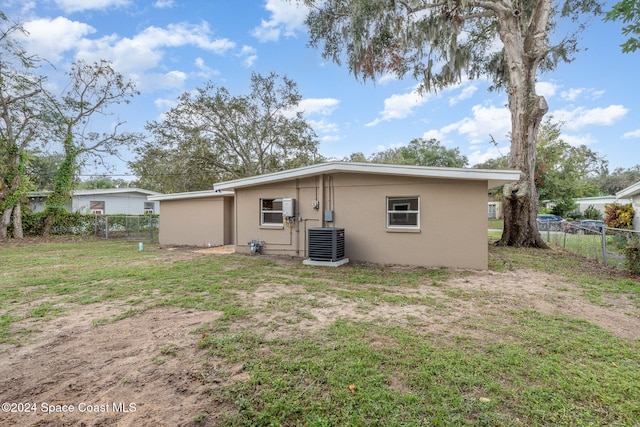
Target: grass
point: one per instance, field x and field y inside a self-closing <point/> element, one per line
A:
<point x="516" y="366"/>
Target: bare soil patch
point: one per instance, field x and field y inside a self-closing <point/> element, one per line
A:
<point x="146" y="369"/>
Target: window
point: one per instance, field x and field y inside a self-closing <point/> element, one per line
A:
<point x="96" y="207"/>
<point x="271" y="212"/>
<point x="403" y="212"/>
<point x="148" y="207"/>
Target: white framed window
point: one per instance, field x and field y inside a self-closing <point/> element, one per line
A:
<point x="403" y="212"/>
<point x="271" y="212"/>
<point x="96" y="207"/>
<point x="149" y="207"/>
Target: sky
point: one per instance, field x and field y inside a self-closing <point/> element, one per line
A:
<point x="168" y="47"/>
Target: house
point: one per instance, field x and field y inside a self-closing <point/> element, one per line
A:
<point x="198" y="218"/>
<point x="598" y="202"/>
<point x="389" y="214"/>
<point x="126" y="201"/>
<point x="632" y="192"/>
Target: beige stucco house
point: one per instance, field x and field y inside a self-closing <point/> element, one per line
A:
<point x="198" y="218"/>
<point x="390" y="214"/>
<point x="632" y="193"/>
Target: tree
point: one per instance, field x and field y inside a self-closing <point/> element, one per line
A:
<point x="212" y="135"/>
<point x="420" y="152"/>
<point x="92" y="90"/>
<point x="21" y="120"/>
<point x="620" y="178"/>
<point x="563" y="172"/>
<point x="437" y="40"/>
<point x="627" y="11"/>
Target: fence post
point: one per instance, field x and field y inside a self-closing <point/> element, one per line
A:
<point x="604" y="245"/>
<point x="106" y="227"/>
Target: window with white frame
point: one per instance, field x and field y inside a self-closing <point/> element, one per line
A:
<point x="403" y="212"/>
<point x="96" y="207"/>
<point x="149" y="207"/>
<point x="271" y="212"/>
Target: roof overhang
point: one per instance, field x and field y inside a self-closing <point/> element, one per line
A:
<point x="630" y="191"/>
<point x="494" y="178"/>
<point x="190" y="195"/>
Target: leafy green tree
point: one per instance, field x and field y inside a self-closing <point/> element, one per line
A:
<point x="21" y="123"/>
<point x="421" y="152"/>
<point x="620" y="178"/>
<point x="41" y="168"/>
<point x="212" y="135"/>
<point x="103" y="182"/>
<point x="437" y="41"/>
<point x="92" y="90"/>
<point x="564" y="172"/>
<point x="627" y="11"/>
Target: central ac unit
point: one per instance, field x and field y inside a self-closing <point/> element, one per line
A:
<point x="326" y="244"/>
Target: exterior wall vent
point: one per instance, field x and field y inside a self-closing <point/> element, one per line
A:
<point x="326" y="244"/>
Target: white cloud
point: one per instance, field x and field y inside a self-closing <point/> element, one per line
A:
<point x="171" y="80"/>
<point x="400" y="106"/>
<point x="493" y="152"/>
<point x="632" y="134"/>
<point x="487" y="121"/>
<point x="466" y="93"/>
<point x="578" y="140"/>
<point x="164" y="4"/>
<point x="70" y="6"/>
<point x="249" y="56"/>
<point x="434" y="134"/>
<point x="580" y="117"/>
<point x="145" y="50"/>
<point x="50" y="38"/>
<point x="571" y="94"/>
<point x="327" y="130"/>
<point x="205" y="71"/>
<point x="286" y="19"/>
<point x="546" y="89"/>
<point x="575" y="93"/>
<point x="323" y="106"/>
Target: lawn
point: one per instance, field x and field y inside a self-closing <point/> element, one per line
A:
<point x="541" y="339"/>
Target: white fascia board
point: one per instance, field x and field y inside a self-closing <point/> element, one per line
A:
<point x="493" y="177"/>
<point x="190" y="195"/>
<point x="113" y="191"/>
<point x="630" y="191"/>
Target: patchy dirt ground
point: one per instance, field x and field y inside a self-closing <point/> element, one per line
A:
<point x="146" y="370"/>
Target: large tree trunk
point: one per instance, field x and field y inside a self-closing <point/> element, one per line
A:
<point x="522" y="56"/>
<point x="17" y="222"/>
<point x="4" y="223"/>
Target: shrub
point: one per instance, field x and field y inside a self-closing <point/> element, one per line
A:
<point x="592" y="213"/>
<point x="619" y="216"/>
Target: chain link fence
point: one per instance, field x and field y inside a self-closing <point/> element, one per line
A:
<point x="126" y="227"/>
<point x="611" y="246"/>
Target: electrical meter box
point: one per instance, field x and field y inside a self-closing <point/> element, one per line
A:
<point x="288" y="208"/>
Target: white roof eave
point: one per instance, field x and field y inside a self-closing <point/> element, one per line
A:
<point x="630" y="191"/>
<point x="190" y="195"/>
<point x="493" y="177"/>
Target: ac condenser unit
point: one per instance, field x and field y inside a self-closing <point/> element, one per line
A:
<point x="326" y="244"/>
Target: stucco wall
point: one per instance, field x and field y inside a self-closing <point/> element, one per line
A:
<point x="123" y="203"/>
<point x="197" y="222"/>
<point x="452" y="233"/>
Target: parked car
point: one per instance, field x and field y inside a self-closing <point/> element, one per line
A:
<point x="550" y="222"/>
<point x="587" y="226"/>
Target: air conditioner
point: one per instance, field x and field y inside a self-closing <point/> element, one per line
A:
<point x="325" y="244"/>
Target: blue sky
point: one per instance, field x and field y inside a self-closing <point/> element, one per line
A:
<point x="168" y="47"/>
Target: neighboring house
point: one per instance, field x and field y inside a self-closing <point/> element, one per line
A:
<point x="126" y="201"/>
<point x="199" y="218"/>
<point x="598" y="202"/>
<point x="632" y="193"/>
<point x="391" y="214"/>
<point x="494" y="206"/>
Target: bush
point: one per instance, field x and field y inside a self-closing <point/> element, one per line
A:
<point x="592" y="213"/>
<point x="619" y="216"/>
